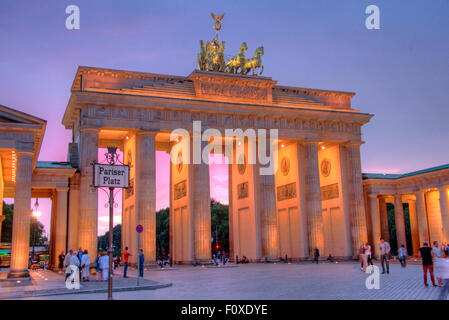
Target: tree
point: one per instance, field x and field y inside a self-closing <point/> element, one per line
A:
<point x="219" y="230"/>
<point x="103" y="241"/>
<point x="162" y="230"/>
<point x="219" y="226"/>
<point x="37" y="229"/>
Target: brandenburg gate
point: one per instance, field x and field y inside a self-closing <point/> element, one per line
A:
<point x="314" y="200"/>
<point x="315" y="196"/>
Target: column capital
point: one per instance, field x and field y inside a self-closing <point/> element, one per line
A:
<point x="62" y="189"/>
<point x="23" y="153"/>
<point x="146" y="132"/>
<point x="420" y="192"/>
<point x="352" y="143"/>
<point x="443" y="188"/>
<point x="373" y="195"/>
<point x="92" y="130"/>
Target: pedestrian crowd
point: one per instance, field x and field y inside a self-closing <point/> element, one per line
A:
<point x="79" y="264"/>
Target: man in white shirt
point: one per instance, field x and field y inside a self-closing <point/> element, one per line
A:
<point x="384" y="249"/>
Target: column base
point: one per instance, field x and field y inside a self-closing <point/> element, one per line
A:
<point x="19" y="274"/>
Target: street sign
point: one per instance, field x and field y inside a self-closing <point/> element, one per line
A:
<point x="111" y="176"/>
<point x="139" y="228"/>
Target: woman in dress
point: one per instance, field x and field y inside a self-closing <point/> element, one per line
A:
<point x="366" y="255"/>
<point x="438" y="263"/>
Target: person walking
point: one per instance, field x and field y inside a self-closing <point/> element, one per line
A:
<point x="366" y="256"/>
<point x="445" y="276"/>
<point x="384" y="250"/>
<point x="141" y="261"/>
<point x="85" y="265"/>
<point x="70" y="260"/>
<point x="427" y="264"/>
<point x="97" y="268"/>
<point x="316" y="253"/>
<point x="61" y="259"/>
<point x="438" y="263"/>
<point x="402" y="254"/>
<point x="104" y="266"/>
<point x="125" y="256"/>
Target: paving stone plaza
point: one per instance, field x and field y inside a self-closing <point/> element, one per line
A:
<point x="338" y="281"/>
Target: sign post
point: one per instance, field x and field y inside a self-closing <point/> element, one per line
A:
<point x="139" y="230"/>
<point x="111" y="176"/>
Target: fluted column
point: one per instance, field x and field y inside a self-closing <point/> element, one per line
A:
<point x="201" y="211"/>
<point x="145" y="190"/>
<point x="74" y="212"/>
<point x="421" y="213"/>
<point x="399" y="221"/>
<point x="384" y="229"/>
<point x="444" y="208"/>
<point x="88" y="220"/>
<point x="268" y="217"/>
<point x="20" y="242"/>
<point x="60" y="229"/>
<point x="375" y="221"/>
<point x="414" y="226"/>
<point x="357" y="206"/>
<point x="313" y="198"/>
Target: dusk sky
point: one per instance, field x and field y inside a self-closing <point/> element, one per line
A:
<point x="399" y="73"/>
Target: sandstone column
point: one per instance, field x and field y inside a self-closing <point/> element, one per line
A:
<point x="20" y="242"/>
<point x="88" y="220"/>
<point x="60" y="229"/>
<point x="313" y="198"/>
<point x="74" y="204"/>
<point x="357" y="206"/>
<point x="230" y="213"/>
<point x="302" y="183"/>
<point x="268" y="217"/>
<point x="201" y="211"/>
<point x="375" y="221"/>
<point x="444" y="208"/>
<point x="414" y="226"/>
<point x="399" y="221"/>
<point x="385" y="230"/>
<point x="145" y="190"/>
<point x="422" y="217"/>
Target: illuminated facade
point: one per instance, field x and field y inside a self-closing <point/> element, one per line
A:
<point x="316" y="199"/>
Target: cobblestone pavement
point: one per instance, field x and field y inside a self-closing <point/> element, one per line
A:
<point x="343" y="280"/>
<point x="44" y="283"/>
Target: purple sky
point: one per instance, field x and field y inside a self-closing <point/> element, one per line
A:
<point x="400" y="72"/>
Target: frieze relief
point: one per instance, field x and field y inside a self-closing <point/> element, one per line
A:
<point x="329" y="192"/>
<point x="231" y="90"/>
<point x="286" y="192"/>
<point x="180" y="190"/>
<point x="242" y="190"/>
<point x="224" y="120"/>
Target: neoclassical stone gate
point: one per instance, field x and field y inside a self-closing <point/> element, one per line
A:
<point x="315" y="199"/>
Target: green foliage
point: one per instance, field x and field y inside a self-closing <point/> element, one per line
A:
<point x="219" y="230"/>
<point x="103" y="240"/>
<point x="162" y="230"/>
<point x="219" y="225"/>
<point x="392" y="229"/>
<point x="7" y="223"/>
<point x="37" y="229"/>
